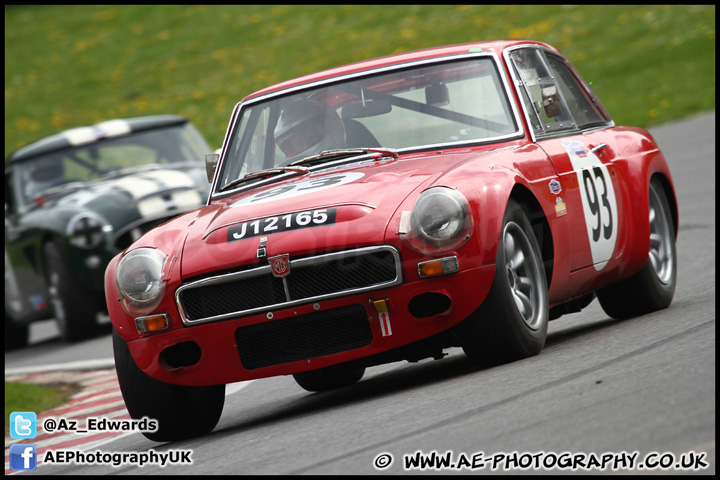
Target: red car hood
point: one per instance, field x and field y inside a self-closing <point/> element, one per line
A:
<point x="358" y="201"/>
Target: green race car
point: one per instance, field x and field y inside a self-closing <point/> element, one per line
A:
<point x="76" y="199"/>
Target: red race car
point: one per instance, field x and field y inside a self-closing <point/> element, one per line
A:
<point x="387" y="210"/>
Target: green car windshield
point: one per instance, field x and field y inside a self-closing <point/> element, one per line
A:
<point x="448" y="103"/>
<point x="60" y="170"/>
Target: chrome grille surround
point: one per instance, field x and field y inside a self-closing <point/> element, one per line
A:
<point x="311" y="279"/>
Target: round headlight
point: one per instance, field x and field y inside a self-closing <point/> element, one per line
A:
<point x="139" y="280"/>
<point x="440" y="221"/>
<point x="85" y="230"/>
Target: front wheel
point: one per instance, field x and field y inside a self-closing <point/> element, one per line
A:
<point x="74" y="307"/>
<point x="512" y="321"/>
<point x="653" y="287"/>
<point x="181" y="412"/>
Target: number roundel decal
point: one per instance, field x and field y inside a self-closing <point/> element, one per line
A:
<point x="599" y="202"/>
<point x="302" y="187"/>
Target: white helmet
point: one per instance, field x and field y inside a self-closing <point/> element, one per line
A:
<point x="308" y="127"/>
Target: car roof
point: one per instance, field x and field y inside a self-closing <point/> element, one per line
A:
<point x="495" y="46"/>
<point x="94" y="133"/>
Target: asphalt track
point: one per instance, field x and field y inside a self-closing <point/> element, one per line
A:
<point x="635" y="395"/>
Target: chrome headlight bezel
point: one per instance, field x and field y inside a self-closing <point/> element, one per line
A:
<point x="440" y="222"/>
<point x="139" y="279"/>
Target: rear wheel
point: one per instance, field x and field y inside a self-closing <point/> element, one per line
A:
<point x="181" y="412"/>
<point x="512" y="321"/>
<point x="74" y="307"/>
<point x="653" y="287"/>
<point x="328" y="378"/>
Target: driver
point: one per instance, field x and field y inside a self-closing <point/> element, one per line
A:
<point x="45" y="173"/>
<point x="308" y="127"/>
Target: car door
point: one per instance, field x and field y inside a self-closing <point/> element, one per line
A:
<point x="25" y="291"/>
<point x="574" y="130"/>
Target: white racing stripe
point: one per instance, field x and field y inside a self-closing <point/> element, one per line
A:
<point x="83" y="135"/>
<point x="149" y="182"/>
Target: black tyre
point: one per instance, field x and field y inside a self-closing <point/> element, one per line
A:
<point x="653" y="287"/>
<point x="74" y="307"/>
<point x="181" y="412"/>
<point x="512" y="321"/>
<point x="328" y="378"/>
<point x="16" y="335"/>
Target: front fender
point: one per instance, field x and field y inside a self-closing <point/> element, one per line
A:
<point x="169" y="240"/>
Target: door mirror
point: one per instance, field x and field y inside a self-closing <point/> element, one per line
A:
<point x="211" y="161"/>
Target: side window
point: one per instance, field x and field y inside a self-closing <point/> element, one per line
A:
<point x="581" y="107"/>
<point x="544" y="104"/>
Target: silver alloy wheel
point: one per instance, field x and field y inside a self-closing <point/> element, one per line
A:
<point x="661" y="239"/>
<point x="524" y="275"/>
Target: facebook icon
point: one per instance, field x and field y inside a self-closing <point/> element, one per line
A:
<point x="23" y="456"/>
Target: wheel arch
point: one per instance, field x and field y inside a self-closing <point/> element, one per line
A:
<point x="540" y="225"/>
<point x="667" y="187"/>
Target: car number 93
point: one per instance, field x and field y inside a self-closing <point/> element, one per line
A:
<point x="281" y="223"/>
<point x="599" y="202"/>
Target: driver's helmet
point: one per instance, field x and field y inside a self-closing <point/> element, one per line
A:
<point x="308" y="127"/>
<point x="44" y="174"/>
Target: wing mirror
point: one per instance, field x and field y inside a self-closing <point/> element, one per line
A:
<point x="211" y="161"/>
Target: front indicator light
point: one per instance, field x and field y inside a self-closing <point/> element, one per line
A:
<point x="442" y="266"/>
<point x="152" y="323"/>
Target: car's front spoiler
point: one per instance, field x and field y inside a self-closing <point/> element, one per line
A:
<point x="208" y="354"/>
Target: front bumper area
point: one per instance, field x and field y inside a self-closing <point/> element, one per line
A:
<point x="313" y="335"/>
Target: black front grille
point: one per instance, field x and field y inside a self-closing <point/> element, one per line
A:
<point x="310" y="279"/>
<point x="234" y="296"/>
<point x="346" y="273"/>
<point x="300" y="338"/>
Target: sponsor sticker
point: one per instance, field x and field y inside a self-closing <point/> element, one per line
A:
<point x="555" y="186"/>
<point x="560" y="208"/>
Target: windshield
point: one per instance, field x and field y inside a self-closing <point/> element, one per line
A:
<point x="164" y="146"/>
<point x="448" y="103"/>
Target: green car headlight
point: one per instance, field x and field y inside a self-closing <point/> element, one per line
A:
<point x="85" y="230"/>
<point x="139" y="280"/>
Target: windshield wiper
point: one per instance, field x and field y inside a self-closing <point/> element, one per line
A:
<point x="265" y="173"/>
<point x="328" y="155"/>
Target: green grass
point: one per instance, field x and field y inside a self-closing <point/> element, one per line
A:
<point x="72" y="65"/>
<point x="21" y="397"/>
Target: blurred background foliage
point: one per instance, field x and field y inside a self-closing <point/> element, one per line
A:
<point x="74" y="65"/>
